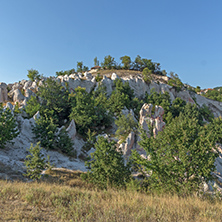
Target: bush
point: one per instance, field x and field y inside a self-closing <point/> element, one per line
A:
<point x="125" y="124"/>
<point x="181" y="156"/>
<point x="8" y="126"/>
<point x="35" y="162"/>
<point x="33" y="74"/>
<point x="107" y="166"/>
<point x="50" y="138"/>
<point x="89" y="111"/>
<point x="52" y="99"/>
<point x="147" y="75"/>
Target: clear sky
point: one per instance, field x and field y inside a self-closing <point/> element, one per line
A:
<point x="52" y="35"/>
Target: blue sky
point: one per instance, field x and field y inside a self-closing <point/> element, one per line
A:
<point x="52" y="35"/>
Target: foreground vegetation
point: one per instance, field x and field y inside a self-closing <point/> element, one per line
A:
<point x="63" y="196"/>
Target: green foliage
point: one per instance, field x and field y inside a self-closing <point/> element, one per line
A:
<point x="50" y="137"/>
<point x="121" y="97"/>
<point x="8" y="126"/>
<point x="181" y="156"/>
<point x="197" y="89"/>
<point x="66" y="72"/>
<point x="35" y="162"/>
<point x="126" y="61"/>
<point x="89" y="111"/>
<point x="79" y="66"/>
<point x="147" y="75"/>
<point x="33" y="106"/>
<point x="175" y="82"/>
<point x="107" y="167"/>
<point x="117" y="101"/>
<point x="109" y="62"/>
<point x="215" y="94"/>
<point x="53" y="100"/>
<point x="98" y="77"/>
<point x="206" y="113"/>
<point x="33" y="74"/>
<point x="96" y="61"/>
<point x="126" y="124"/>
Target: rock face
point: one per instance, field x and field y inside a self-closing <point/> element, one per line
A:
<point x="128" y="145"/>
<point x="71" y="130"/>
<point x="155" y="119"/>
<point x="3" y="92"/>
<point x="16" y="95"/>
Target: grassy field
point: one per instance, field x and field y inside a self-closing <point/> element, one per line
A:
<point x="63" y="196"/>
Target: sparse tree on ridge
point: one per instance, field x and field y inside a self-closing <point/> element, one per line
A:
<point x="126" y="61"/>
<point x="109" y="62"/>
<point x="79" y="66"/>
<point x="96" y="62"/>
<point x="33" y="74"/>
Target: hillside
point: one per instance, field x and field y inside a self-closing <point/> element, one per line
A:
<point x="20" y="93"/>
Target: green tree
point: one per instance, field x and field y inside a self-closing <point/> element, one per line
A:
<point x="96" y="61"/>
<point x="85" y="68"/>
<point x="107" y="166"/>
<point x="50" y="137"/>
<point x="147" y="75"/>
<point x="89" y="110"/>
<point x="125" y="124"/>
<point x="8" y="126"/>
<point x="175" y="82"/>
<point x="33" y="74"/>
<point x="181" y="156"/>
<point x="109" y="62"/>
<point x="79" y="66"/>
<point x="138" y="63"/>
<point x="126" y="61"/>
<point x="35" y="162"/>
<point x="147" y="63"/>
<point x="53" y="100"/>
<point x="197" y="89"/>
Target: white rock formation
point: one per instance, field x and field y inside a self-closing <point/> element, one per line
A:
<point x="3" y="92"/>
<point x="16" y="95"/>
<point x="71" y="130"/>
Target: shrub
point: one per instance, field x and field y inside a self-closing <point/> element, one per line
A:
<point x="47" y="132"/>
<point x="35" y="162"/>
<point x="8" y="126"/>
<point x="181" y="156"/>
<point x="125" y="124"/>
<point x="107" y="166"/>
<point x="147" y="75"/>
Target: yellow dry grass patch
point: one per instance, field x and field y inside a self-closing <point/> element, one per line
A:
<point x="52" y="200"/>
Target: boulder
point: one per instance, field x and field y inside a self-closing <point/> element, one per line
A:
<point x="138" y="85"/>
<point x="71" y="130"/>
<point x="108" y="84"/>
<point x="16" y="95"/>
<point x="185" y="96"/>
<point x="114" y="76"/>
<point x="128" y="145"/>
<point x="27" y="85"/>
<point x="3" y="92"/>
<point x="29" y="93"/>
<point x="155" y="120"/>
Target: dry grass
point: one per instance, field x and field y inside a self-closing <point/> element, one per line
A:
<point x="77" y="201"/>
<point x="120" y="73"/>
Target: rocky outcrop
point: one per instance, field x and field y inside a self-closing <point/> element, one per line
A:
<point x="16" y="95"/>
<point x="71" y="130"/>
<point x="155" y="119"/>
<point x="3" y="92"/>
<point x="108" y="83"/>
<point x="128" y="145"/>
